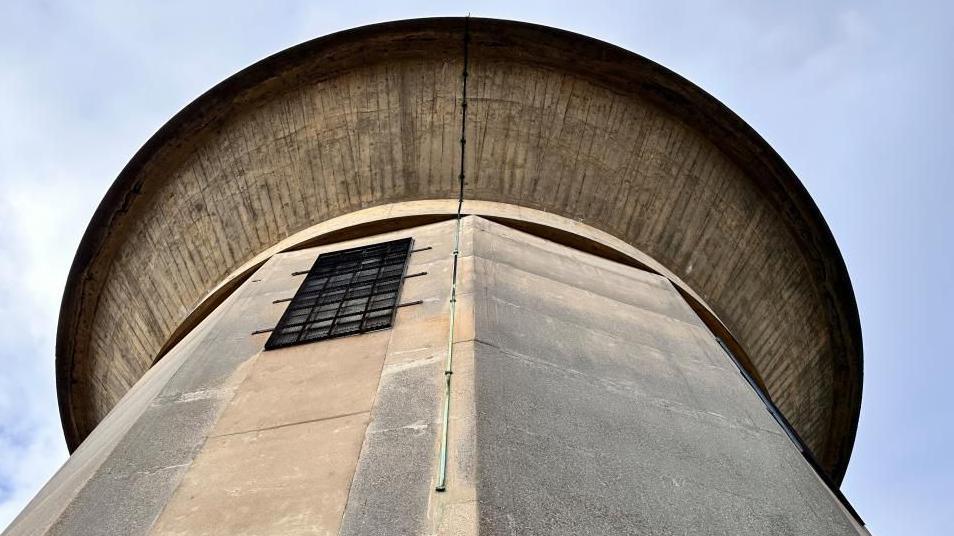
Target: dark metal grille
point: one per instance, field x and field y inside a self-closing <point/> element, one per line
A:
<point x="345" y="292"/>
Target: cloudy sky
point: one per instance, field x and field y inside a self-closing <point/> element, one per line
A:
<point x="858" y="98"/>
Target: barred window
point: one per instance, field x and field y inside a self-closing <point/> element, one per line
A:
<point x="345" y="292"/>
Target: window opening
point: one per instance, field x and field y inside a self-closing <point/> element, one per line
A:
<point x="345" y="292"/>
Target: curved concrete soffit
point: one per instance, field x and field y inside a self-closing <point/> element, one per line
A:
<point x="375" y="220"/>
<point x="501" y="51"/>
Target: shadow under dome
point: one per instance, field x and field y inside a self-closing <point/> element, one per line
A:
<point x="556" y="122"/>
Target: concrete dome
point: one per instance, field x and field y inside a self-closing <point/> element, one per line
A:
<point x="558" y="123"/>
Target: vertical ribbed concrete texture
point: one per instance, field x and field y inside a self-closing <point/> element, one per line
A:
<point x="588" y="398"/>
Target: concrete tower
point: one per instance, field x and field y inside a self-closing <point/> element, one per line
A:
<point x="613" y="310"/>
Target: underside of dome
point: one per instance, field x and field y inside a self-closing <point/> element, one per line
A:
<point x="557" y="124"/>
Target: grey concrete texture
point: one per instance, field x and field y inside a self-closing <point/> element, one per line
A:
<point x="393" y="488"/>
<point x="99" y="461"/>
<point x="393" y="480"/>
<point x="557" y="122"/>
<point x="288" y="480"/>
<point x="602" y="408"/>
<point x="586" y="397"/>
<point x="120" y="479"/>
<point x="298" y="424"/>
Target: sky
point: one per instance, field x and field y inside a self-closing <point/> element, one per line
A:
<point x="857" y="97"/>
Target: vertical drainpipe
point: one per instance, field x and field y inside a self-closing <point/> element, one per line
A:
<point x="448" y="364"/>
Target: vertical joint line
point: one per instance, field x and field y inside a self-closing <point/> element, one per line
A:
<point x="449" y="363"/>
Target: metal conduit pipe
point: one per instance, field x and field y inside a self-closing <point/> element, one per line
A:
<point x="449" y="363"/>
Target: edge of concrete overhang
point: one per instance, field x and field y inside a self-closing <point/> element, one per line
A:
<point x="598" y="61"/>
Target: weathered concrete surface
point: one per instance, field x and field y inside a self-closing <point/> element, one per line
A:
<point x="557" y="122"/>
<point x="216" y="427"/>
<point x="122" y="476"/>
<point x="282" y="480"/>
<point x="393" y="488"/>
<point x="587" y="397"/>
<point x="287" y="443"/>
<point x="604" y="406"/>
<point x="303" y="415"/>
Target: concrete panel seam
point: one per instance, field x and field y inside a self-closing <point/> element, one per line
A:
<point x="286" y="425"/>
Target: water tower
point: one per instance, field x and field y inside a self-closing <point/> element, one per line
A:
<point x="455" y="276"/>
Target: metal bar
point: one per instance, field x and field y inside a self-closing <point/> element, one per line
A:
<point x="314" y="308"/>
<point x="334" y="319"/>
<point x="374" y="288"/>
<point x="349" y="285"/>
<point x="421" y="249"/>
<point x="418" y="274"/>
<point x="372" y="310"/>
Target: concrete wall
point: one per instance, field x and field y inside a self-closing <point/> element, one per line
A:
<point x="587" y="398"/>
<point x="222" y="438"/>
<point x="605" y="406"/>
